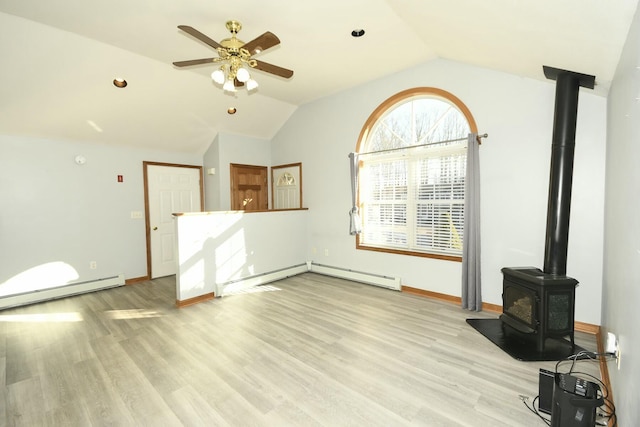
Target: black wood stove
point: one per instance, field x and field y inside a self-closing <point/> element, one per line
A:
<point x="541" y="303"/>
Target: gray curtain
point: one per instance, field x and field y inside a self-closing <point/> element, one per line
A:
<point x="471" y="283"/>
<point x="356" y="226"/>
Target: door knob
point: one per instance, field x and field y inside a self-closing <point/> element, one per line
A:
<point x="155" y="228"/>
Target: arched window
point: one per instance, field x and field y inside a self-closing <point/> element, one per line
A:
<point x="412" y="164"/>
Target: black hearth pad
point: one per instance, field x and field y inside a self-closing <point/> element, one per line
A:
<point x="518" y="347"/>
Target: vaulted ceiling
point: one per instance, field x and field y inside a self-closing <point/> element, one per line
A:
<point x="59" y="58"/>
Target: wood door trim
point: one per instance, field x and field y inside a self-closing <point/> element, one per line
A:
<point x="145" y="180"/>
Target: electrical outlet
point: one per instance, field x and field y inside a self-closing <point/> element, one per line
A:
<point x="611" y="343"/>
<point x="93" y="265"/>
<point x="613" y="347"/>
<point x="326" y="252"/>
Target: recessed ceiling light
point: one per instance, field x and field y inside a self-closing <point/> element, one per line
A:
<point x="358" y="32"/>
<point x="231" y="110"/>
<point x="119" y="82"/>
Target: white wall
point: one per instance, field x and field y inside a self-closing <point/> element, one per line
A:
<point x="216" y="248"/>
<point x="227" y="149"/>
<point x="517" y="114"/>
<point x="54" y="211"/>
<point x="621" y="291"/>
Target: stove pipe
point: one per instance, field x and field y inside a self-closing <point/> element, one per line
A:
<point x="562" y="151"/>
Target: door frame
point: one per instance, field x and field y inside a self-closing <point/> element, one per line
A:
<point x="147" y="224"/>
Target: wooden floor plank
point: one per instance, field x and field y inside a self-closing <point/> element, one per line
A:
<point x="308" y="350"/>
<point x="23" y="407"/>
<point x="192" y="409"/>
<point x="100" y="399"/>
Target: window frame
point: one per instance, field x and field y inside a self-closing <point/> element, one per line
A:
<point x="387" y="105"/>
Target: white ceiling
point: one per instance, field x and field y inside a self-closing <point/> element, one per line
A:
<point x="59" y="58"/>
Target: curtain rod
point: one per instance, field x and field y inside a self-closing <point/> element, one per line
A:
<point x="478" y="138"/>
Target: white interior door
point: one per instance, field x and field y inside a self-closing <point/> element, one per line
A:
<point x="171" y="189"/>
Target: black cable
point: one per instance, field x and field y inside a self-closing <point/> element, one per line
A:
<point x="609" y="412"/>
<point x="582" y="355"/>
<point x="610" y="409"/>
<point x="533" y="409"/>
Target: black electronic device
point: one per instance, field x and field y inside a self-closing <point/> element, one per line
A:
<point x="545" y="391"/>
<point x="574" y="401"/>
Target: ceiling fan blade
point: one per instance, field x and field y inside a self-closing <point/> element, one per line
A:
<point x="197" y="34"/>
<point x="262" y="43"/>
<point x="194" y="62"/>
<point x="237" y="83"/>
<point x="273" y="69"/>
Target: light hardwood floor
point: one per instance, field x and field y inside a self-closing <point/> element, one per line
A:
<point x="310" y="350"/>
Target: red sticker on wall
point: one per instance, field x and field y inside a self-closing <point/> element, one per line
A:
<point x="120" y="178"/>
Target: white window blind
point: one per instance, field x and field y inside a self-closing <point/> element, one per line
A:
<point x="414" y="200"/>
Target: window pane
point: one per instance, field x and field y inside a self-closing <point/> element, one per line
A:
<point x="386" y="224"/>
<point x="439" y="227"/>
<point x="385" y="181"/>
<point x="413" y="199"/>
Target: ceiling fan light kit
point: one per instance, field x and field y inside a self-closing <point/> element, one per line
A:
<point x="236" y="58"/>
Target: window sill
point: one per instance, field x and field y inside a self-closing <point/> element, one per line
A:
<point x="410" y="253"/>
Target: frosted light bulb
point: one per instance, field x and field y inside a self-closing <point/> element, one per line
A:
<point x="228" y="86"/>
<point x="252" y="84"/>
<point x="218" y="76"/>
<point x="242" y="75"/>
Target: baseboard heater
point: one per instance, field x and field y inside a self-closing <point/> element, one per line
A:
<point x="357" y="276"/>
<point x="32" y="297"/>
<point x="259" y="279"/>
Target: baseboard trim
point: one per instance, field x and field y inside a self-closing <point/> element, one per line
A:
<point x="495" y="308"/>
<point x="61" y="291"/>
<point x="430" y="294"/>
<point x="195" y="300"/>
<point x="604" y="368"/>
<point x="356" y="276"/>
<point x="135" y="280"/>
<point x="448" y="298"/>
<point x="259" y="279"/>
<point x="578" y="326"/>
<point x="586" y="327"/>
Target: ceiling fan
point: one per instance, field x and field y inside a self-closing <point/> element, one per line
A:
<point x="236" y="57"/>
